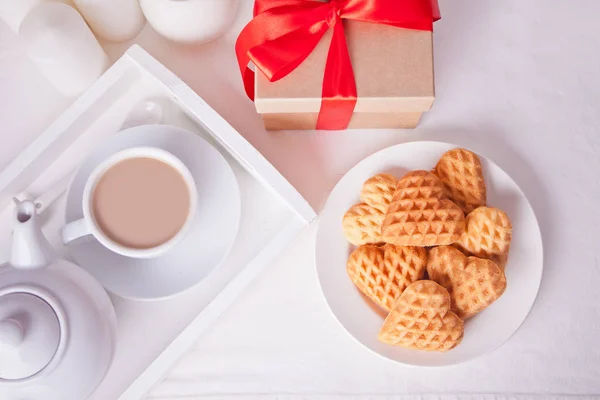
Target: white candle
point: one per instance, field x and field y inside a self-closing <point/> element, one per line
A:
<point x="190" y="21"/>
<point x="58" y="40"/>
<point x="116" y="20"/>
<point x="14" y="11"/>
<point x="8" y="41"/>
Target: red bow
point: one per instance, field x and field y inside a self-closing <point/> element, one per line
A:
<point x="284" y="32"/>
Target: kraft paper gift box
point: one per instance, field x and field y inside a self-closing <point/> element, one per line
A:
<point x="393" y="68"/>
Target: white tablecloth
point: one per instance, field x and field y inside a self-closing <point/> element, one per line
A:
<point x="518" y="81"/>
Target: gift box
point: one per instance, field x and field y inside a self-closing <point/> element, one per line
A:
<point x="392" y="67"/>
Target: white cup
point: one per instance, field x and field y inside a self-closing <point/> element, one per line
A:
<point x="88" y="225"/>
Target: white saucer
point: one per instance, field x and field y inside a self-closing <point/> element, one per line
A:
<point x="205" y="247"/>
<point x="484" y="332"/>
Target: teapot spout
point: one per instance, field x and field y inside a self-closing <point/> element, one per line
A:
<point x="30" y="248"/>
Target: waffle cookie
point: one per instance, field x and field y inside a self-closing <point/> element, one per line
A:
<point x="422" y="320"/>
<point x="473" y="283"/>
<point x="488" y="234"/>
<point x="362" y="224"/>
<point x="378" y="191"/>
<point x="382" y="273"/>
<point x="461" y="174"/>
<point x="420" y="215"/>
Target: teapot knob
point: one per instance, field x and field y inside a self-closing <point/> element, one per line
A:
<point x="11" y="332"/>
<point x="30" y="335"/>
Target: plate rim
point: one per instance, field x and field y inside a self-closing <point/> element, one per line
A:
<point x="383" y="356"/>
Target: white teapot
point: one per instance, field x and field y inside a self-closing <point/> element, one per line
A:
<point x="57" y="324"/>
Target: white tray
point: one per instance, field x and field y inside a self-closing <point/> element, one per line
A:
<point x="154" y="335"/>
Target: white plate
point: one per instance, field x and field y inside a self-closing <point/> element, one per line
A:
<point x="485" y="331"/>
<point x="207" y="243"/>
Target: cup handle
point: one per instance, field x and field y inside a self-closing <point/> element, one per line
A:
<point x="74" y="230"/>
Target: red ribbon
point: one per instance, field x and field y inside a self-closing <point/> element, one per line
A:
<point x="284" y="32"/>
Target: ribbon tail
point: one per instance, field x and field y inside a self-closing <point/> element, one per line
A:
<point x="339" y="86"/>
<point x="248" y="78"/>
<point x="244" y="42"/>
<point x="435" y="8"/>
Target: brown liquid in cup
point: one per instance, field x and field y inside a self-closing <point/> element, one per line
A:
<point x="141" y="202"/>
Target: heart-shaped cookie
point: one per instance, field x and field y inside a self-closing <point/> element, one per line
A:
<point x="473" y="283"/>
<point x="487" y="235"/>
<point x="461" y="174"/>
<point x="422" y="320"/>
<point x="378" y="191"/>
<point x="382" y="273"/>
<point x="420" y="215"/>
<point x="362" y="224"/>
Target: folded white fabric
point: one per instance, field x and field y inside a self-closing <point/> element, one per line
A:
<point x="280" y="341"/>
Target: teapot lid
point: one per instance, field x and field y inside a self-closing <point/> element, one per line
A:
<point x="29" y="335"/>
<point x="68" y="307"/>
